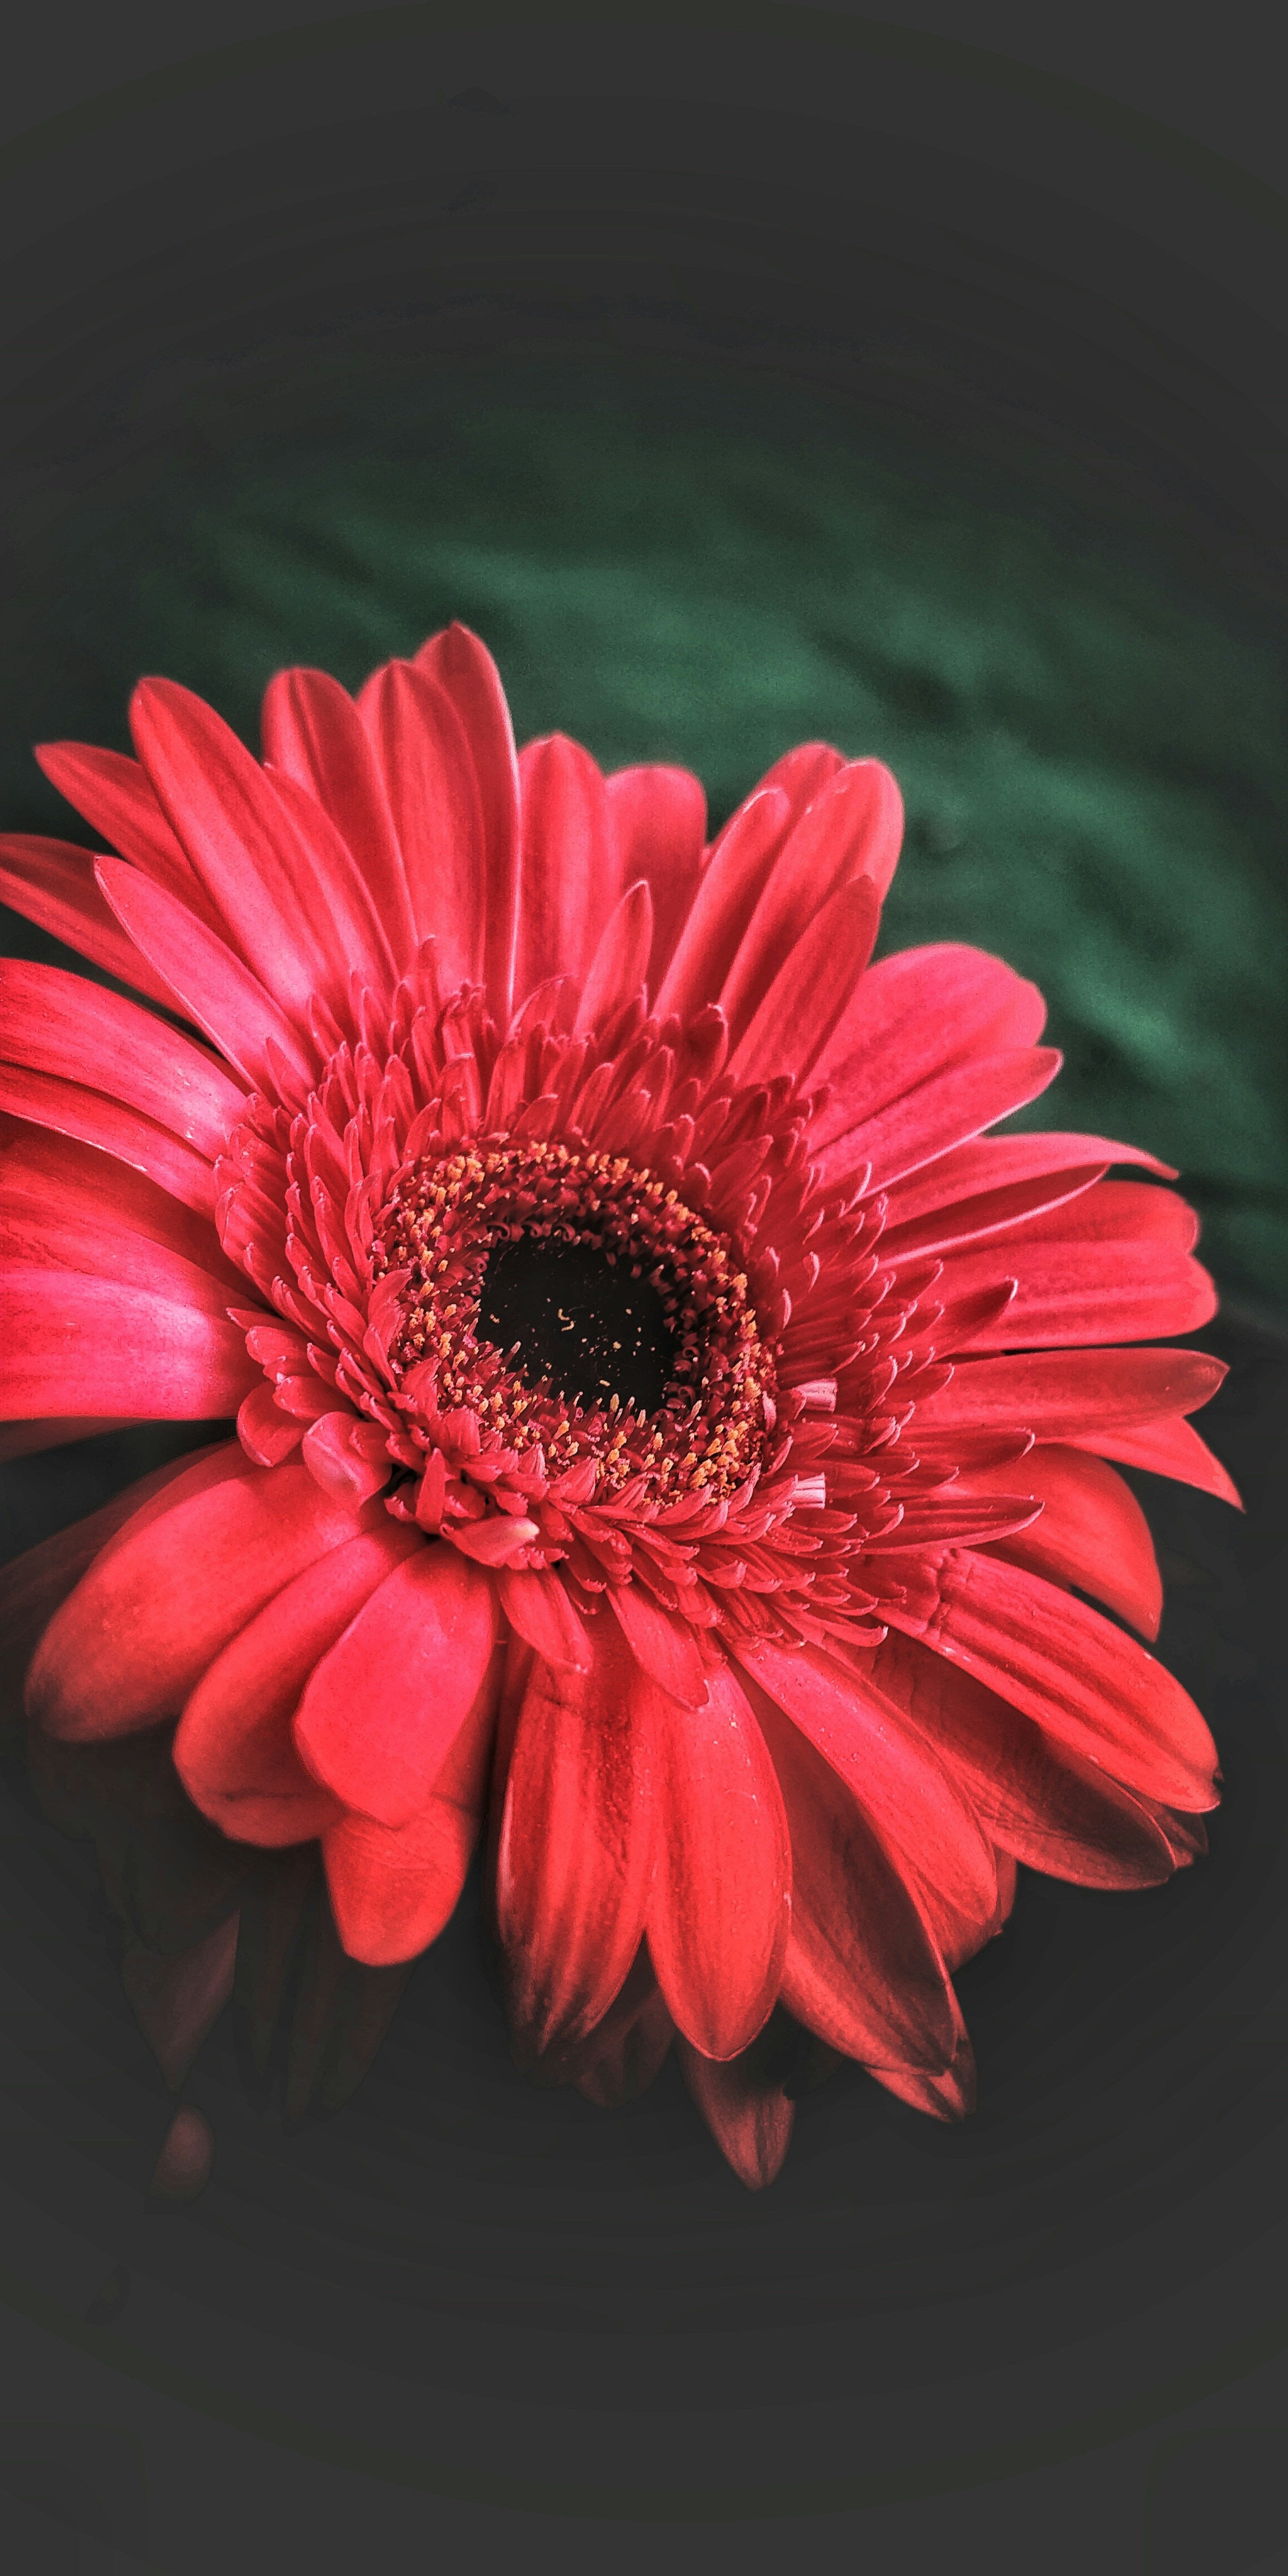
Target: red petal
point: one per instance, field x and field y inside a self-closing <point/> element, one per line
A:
<point x="945" y="1111"/>
<point x="34" y="1585"/>
<point x="1115" y="1212"/>
<point x="61" y="1024"/>
<point x="347" y="1456"/>
<point x="1166" y="1448"/>
<point x="1082" y="1293"/>
<point x="862" y="1969"/>
<point x="350" y="936"/>
<point x="234" y="1750"/>
<point x="1092" y="1531"/>
<point x="812" y="990"/>
<point x="1092" y="1688"/>
<point x="658" y="818"/>
<point x="260" y="874"/>
<point x="949" y="2096"/>
<point x="924" y="1013"/>
<point x="620" y="2057"/>
<point x="382" y="1711"/>
<point x="617" y="970"/>
<point x="131" y="1643"/>
<point x="576" y="1848"/>
<point x="313" y="732"/>
<point x="392" y="1889"/>
<point x="1070" y="1395"/>
<point x="61" y="1203"/>
<point x="749" y="2117"/>
<point x="801" y="775"/>
<point x="53" y="883"/>
<point x="117" y="796"/>
<point x="69" y="1109"/>
<point x="719" y="1911"/>
<point x="266" y="1433"/>
<point x="224" y="998"/>
<point x="666" y="1648"/>
<point x="569" y="885"/>
<point x="429" y="780"/>
<point x="93" y="1347"/>
<point x="907" y="1796"/>
<point x="540" y="1608"/>
<point x="849" y="831"/>
<point x="972" y="1175"/>
<point x="466" y="672"/>
<point x="728" y="890"/>
<point x="1049" y="1807"/>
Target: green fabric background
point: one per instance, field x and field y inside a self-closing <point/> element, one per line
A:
<point x="1091" y="748"/>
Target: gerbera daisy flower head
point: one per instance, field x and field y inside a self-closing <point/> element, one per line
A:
<point x="673" y="1439"/>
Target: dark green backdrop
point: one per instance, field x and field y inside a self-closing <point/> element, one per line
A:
<point x="1091" y="743"/>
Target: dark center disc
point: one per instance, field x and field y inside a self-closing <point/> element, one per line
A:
<point x="578" y="1319"/>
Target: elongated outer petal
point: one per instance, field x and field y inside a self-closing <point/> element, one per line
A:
<point x="1091" y="1687"/>
<point x="393" y="1888"/>
<point x="658" y="818"/>
<point x="568" y="887"/>
<point x="993" y="1164"/>
<point x="576" y="1849"/>
<point x="382" y="1710"/>
<point x="132" y="1641"/>
<point x="1092" y="1530"/>
<point x="811" y="990"/>
<point x="61" y="1025"/>
<point x="466" y="673"/>
<point x="617" y="970"/>
<point x="851" y="830"/>
<point x="862" y="1968"/>
<point x="949" y="2096"/>
<point x="908" y="1797"/>
<point x="624" y="2051"/>
<point x="314" y="734"/>
<point x="238" y="1013"/>
<point x="429" y="780"/>
<point x="1075" y="1294"/>
<point x="1072" y="1395"/>
<point x="72" y="1109"/>
<point x="66" y="1203"/>
<point x="720" y="1906"/>
<point x="730" y="886"/>
<point x="117" y="796"/>
<point x="260" y="873"/>
<point x="919" y="1015"/>
<point x="749" y="2118"/>
<point x="74" y="1344"/>
<point x="1048" y="1806"/>
<point x="234" y="1750"/>
<point x="35" y="1584"/>
<point x="948" y="1109"/>
<point x="53" y="883"/>
<point x="1165" y="1447"/>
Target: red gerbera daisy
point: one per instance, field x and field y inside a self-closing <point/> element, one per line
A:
<point x="664" y="1425"/>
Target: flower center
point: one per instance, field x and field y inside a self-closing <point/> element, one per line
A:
<point x="571" y="1300"/>
<point x="570" y="1316"/>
